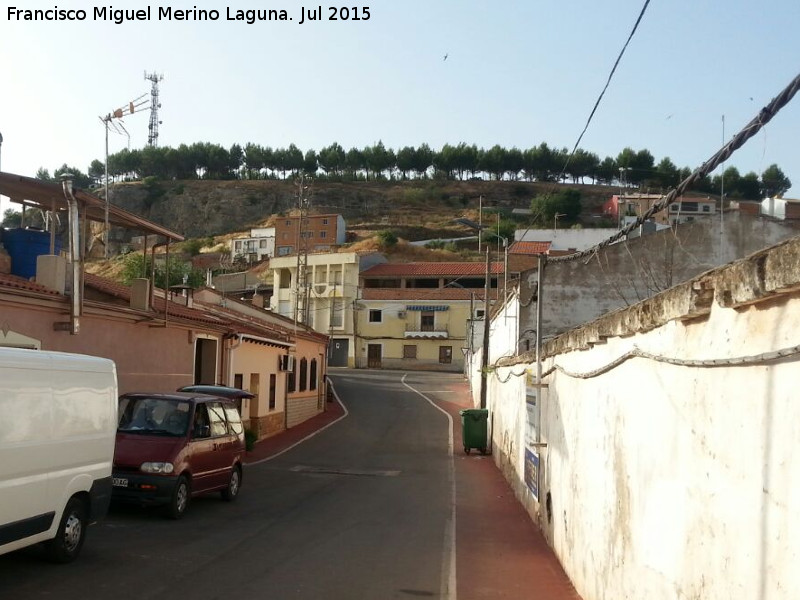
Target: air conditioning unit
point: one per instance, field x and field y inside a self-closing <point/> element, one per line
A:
<point x="286" y="362"/>
<point x="401" y="314"/>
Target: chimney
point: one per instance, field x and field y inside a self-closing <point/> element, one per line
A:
<point x="51" y="272"/>
<point x="140" y="294"/>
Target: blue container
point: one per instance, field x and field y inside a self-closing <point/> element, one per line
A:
<point x="24" y="246"/>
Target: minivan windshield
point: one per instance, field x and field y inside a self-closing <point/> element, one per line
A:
<point x="153" y="416"/>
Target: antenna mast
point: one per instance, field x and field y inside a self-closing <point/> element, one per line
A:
<point x="152" y="128"/>
<point x="113" y="120"/>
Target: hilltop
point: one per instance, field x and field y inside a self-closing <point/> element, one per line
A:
<point x="413" y="210"/>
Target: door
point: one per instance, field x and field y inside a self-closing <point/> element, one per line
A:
<point x="445" y="355"/>
<point x="212" y="448"/>
<point x="338" y="353"/>
<point x="374" y="356"/>
<point x="205" y="361"/>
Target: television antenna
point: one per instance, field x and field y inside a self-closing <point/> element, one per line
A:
<point x="152" y="128"/>
<point x="113" y="121"/>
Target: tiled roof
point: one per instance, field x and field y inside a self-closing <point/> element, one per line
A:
<point x="529" y="248"/>
<point x="119" y="290"/>
<point x="423" y="294"/>
<point x="19" y="283"/>
<point x="431" y="269"/>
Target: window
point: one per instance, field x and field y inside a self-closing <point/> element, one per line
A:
<point x="238" y="246"/>
<point x="284" y="250"/>
<point x="427" y="319"/>
<point x="479" y="313"/>
<point x="445" y="355"/>
<point x="288" y="223"/>
<point x="375" y="316"/>
<point x="216" y="419"/>
<point x="238" y="381"/>
<point x="706" y="208"/>
<point x="323" y="234"/>
<point x="293" y="377"/>
<point x="273" y="379"/>
<point x="235" y="426"/>
<point x="262" y="244"/>
<point x="337" y="312"/>
<point x="312" y="380"/>
<point x="303" y="374"/>
<point x="324" y="221"/>
<point x="410" y="351"/>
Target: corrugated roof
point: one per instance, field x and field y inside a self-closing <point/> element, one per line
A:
<point x="529" y="248"/>
<point x="432" y="269"/>
<point x="46" y="195"/>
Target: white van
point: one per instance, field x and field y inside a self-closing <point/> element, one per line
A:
<point x="58" y="422"/>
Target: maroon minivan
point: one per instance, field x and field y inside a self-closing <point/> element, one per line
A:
<point x="173" y="446"/>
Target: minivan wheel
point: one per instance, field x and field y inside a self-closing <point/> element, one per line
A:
<point x="180" y="498"/>
<point x="71" y="533"/>
<point x="231" y="492"/>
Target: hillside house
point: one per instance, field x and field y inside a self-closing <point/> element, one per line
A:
<point x="780" y="208"/>
<point x="260" y="244"/>
<point x="321" y="233"/>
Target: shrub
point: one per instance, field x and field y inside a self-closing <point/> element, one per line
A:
<point x="387" y="238"/>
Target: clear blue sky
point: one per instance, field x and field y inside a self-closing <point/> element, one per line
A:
<point x="518" y="73"/>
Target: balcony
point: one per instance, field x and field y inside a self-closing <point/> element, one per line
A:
<point x="426" y="333"/>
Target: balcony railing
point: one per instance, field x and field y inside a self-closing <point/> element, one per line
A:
<point x="416" y="331"/>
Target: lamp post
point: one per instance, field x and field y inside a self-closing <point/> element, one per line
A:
<point x="555" y="220"/>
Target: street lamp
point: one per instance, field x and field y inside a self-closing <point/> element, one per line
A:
<point x="555" y="220"/>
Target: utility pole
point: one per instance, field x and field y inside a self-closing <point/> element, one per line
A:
<point x="301" y="279"/>
<point x="480" y="219"/>
<point x="485" y="354"/>
<point x="542" y="261"/>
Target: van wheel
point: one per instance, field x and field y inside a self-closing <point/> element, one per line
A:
<point x="70" y="534"/>
<point x="231" y="492"/>
<point x="180" y="498"/>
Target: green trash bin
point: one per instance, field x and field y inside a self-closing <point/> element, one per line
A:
<point x="473" y="428"/>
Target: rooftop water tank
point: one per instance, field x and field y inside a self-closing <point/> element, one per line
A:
<point x="24" y="245"/>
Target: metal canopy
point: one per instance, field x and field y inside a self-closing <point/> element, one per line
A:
<point x="46" y="195"/>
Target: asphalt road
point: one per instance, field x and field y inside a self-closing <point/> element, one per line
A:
<point x="363" y="510"/>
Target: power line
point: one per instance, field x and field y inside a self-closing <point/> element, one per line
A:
<point x="608" y="82"/>
<point x="764" y="116"/>
<point x="738" y="361"/>
<point x="599" y="99"/>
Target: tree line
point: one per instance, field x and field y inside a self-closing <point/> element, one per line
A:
<point x="463" y="161"/>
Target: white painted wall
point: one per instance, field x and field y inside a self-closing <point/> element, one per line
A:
<point x="669" y="481"/>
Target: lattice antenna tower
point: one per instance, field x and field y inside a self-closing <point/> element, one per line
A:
<point x="152" y="128"/>
<point x="302" y="306"/>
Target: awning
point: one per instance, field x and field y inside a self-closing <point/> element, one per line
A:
<point x="427" y="308"/>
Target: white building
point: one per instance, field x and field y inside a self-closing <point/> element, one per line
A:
<point x="258" y="246"/>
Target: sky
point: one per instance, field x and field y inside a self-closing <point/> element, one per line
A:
<point x="517" y="73"/>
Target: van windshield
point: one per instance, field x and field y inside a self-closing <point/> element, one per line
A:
<point x="153" y="416"/>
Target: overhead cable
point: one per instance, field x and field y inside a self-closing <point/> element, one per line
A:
<point x="764" y="116"/>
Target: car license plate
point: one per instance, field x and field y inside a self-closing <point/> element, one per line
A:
<point x="119" y="482"/>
